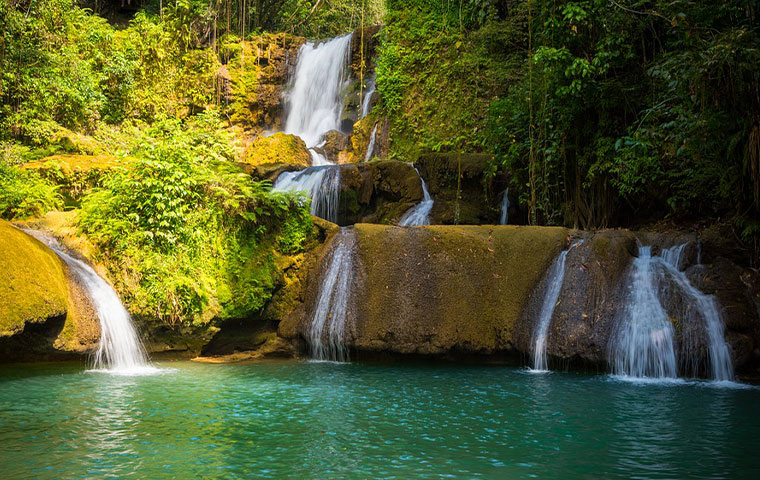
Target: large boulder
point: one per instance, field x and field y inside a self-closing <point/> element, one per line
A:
<point x="439" y="290"/>
<point x="44" y="313"/>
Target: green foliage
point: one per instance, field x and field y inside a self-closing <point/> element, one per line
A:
<point x="196" y="238"/>
<point x="24" y="194"/>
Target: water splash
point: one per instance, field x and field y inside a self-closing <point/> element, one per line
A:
<point x="320" y="183"/>
<point x="326" y="332"/>
<point x="371" y="146"/>
<point x="643" y="343"/>
<point x="504" y="207"/>
<point x="420" y="213"/>
<point x="556" y="277"/>
<point x="120" y="350"/>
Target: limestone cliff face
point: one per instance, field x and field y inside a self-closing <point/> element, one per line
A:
<point x="43" y="312"/>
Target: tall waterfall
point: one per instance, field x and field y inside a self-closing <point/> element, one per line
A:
<point x="314" y="100"/>
<point x="326" y="333"/>
<point x="644" y="341"/>
<point x="504" y="207"/>
<point x="420" y="213"/>
<point x="314" y="108"/>
<point x="553" y="288"/>
<point x="371" y="145"/>
<point x="120" y="349"/>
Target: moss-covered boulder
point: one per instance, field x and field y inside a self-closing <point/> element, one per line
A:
<point x="278" y="149"/>
<point x="75" y="174"/>
<point x="43" y="312"/>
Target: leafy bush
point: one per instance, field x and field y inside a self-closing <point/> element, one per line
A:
<point x="24" y="194"/>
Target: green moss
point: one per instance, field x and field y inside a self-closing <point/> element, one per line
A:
<point x="75" y="174"/>
<point x="280" y="148"/>
<point x="32" y="281"/>
<point x="433" y="289"/>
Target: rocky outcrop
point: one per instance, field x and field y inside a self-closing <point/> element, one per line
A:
<point x="44" y="313"/>
<point x="255" y="77"/>
<point x="462" y="192"/>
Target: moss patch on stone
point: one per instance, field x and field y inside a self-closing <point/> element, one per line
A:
<point x="438" y="289"/>
<point x="76" y="174"/>
<point x="280" y="148"/>
<point x="32" y="281"/>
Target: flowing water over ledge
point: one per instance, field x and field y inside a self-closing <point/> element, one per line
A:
<point x="326" y="420"/>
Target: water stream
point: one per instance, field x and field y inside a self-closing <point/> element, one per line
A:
<point x="326" y="332"/>
<point x="371" y="145"/>
<point x="504" y="219"/>
<point x="420" y="213"/>
<point x="551" y="297"/>
<point x="643" y="344"/>
<point x="120" y="350"/>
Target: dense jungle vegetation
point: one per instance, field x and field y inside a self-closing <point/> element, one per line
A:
<point x="599" y="112"/>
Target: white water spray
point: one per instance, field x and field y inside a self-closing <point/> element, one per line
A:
<point x="120" y="350"/>
<point x="420" y="213"/>
<point x="326" y="333"/>
<point x="321" y="184"/>
<point x="553" y="289"/>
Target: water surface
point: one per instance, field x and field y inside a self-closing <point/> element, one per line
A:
<point x="327" y="420"/>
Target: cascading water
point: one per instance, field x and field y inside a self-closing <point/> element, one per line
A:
<point x="700" y="309"/>
<point x="326" y="333"/>
<point x="367" y="101"/>
<point x="320" y="183"/>
<point x="553" y="288"/>
<point x="120" y="350"/>
<point x="643" y="343"/>
<point x="504" y="207"/>
<point x="420" y="213"/>
<point x="314" y="100"/>
<point x="314" y="108"/>
<point x="371" y="145"/>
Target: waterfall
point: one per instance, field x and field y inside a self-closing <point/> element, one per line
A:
<point x="504" y="207"/>
<point x="314" y="100"/>
<point x="321" y="184"/>
<point x="420" y="213"/>
<point x="314" y="108"/>
<point x="120" y="349"/>
<point x="701" y="310"/>
<point x="366" y="102"/>
<point x="643" y="343"/>
<point x="371" y="146"/>
<point x="326" y="333"/>
<point x="553" y="288"/>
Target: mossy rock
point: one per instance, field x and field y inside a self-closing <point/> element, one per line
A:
<point x="280" y="148"/>
<point x="44" y="313"/>
<point x="442" y="289"/>
<point x="76" y="174"/>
